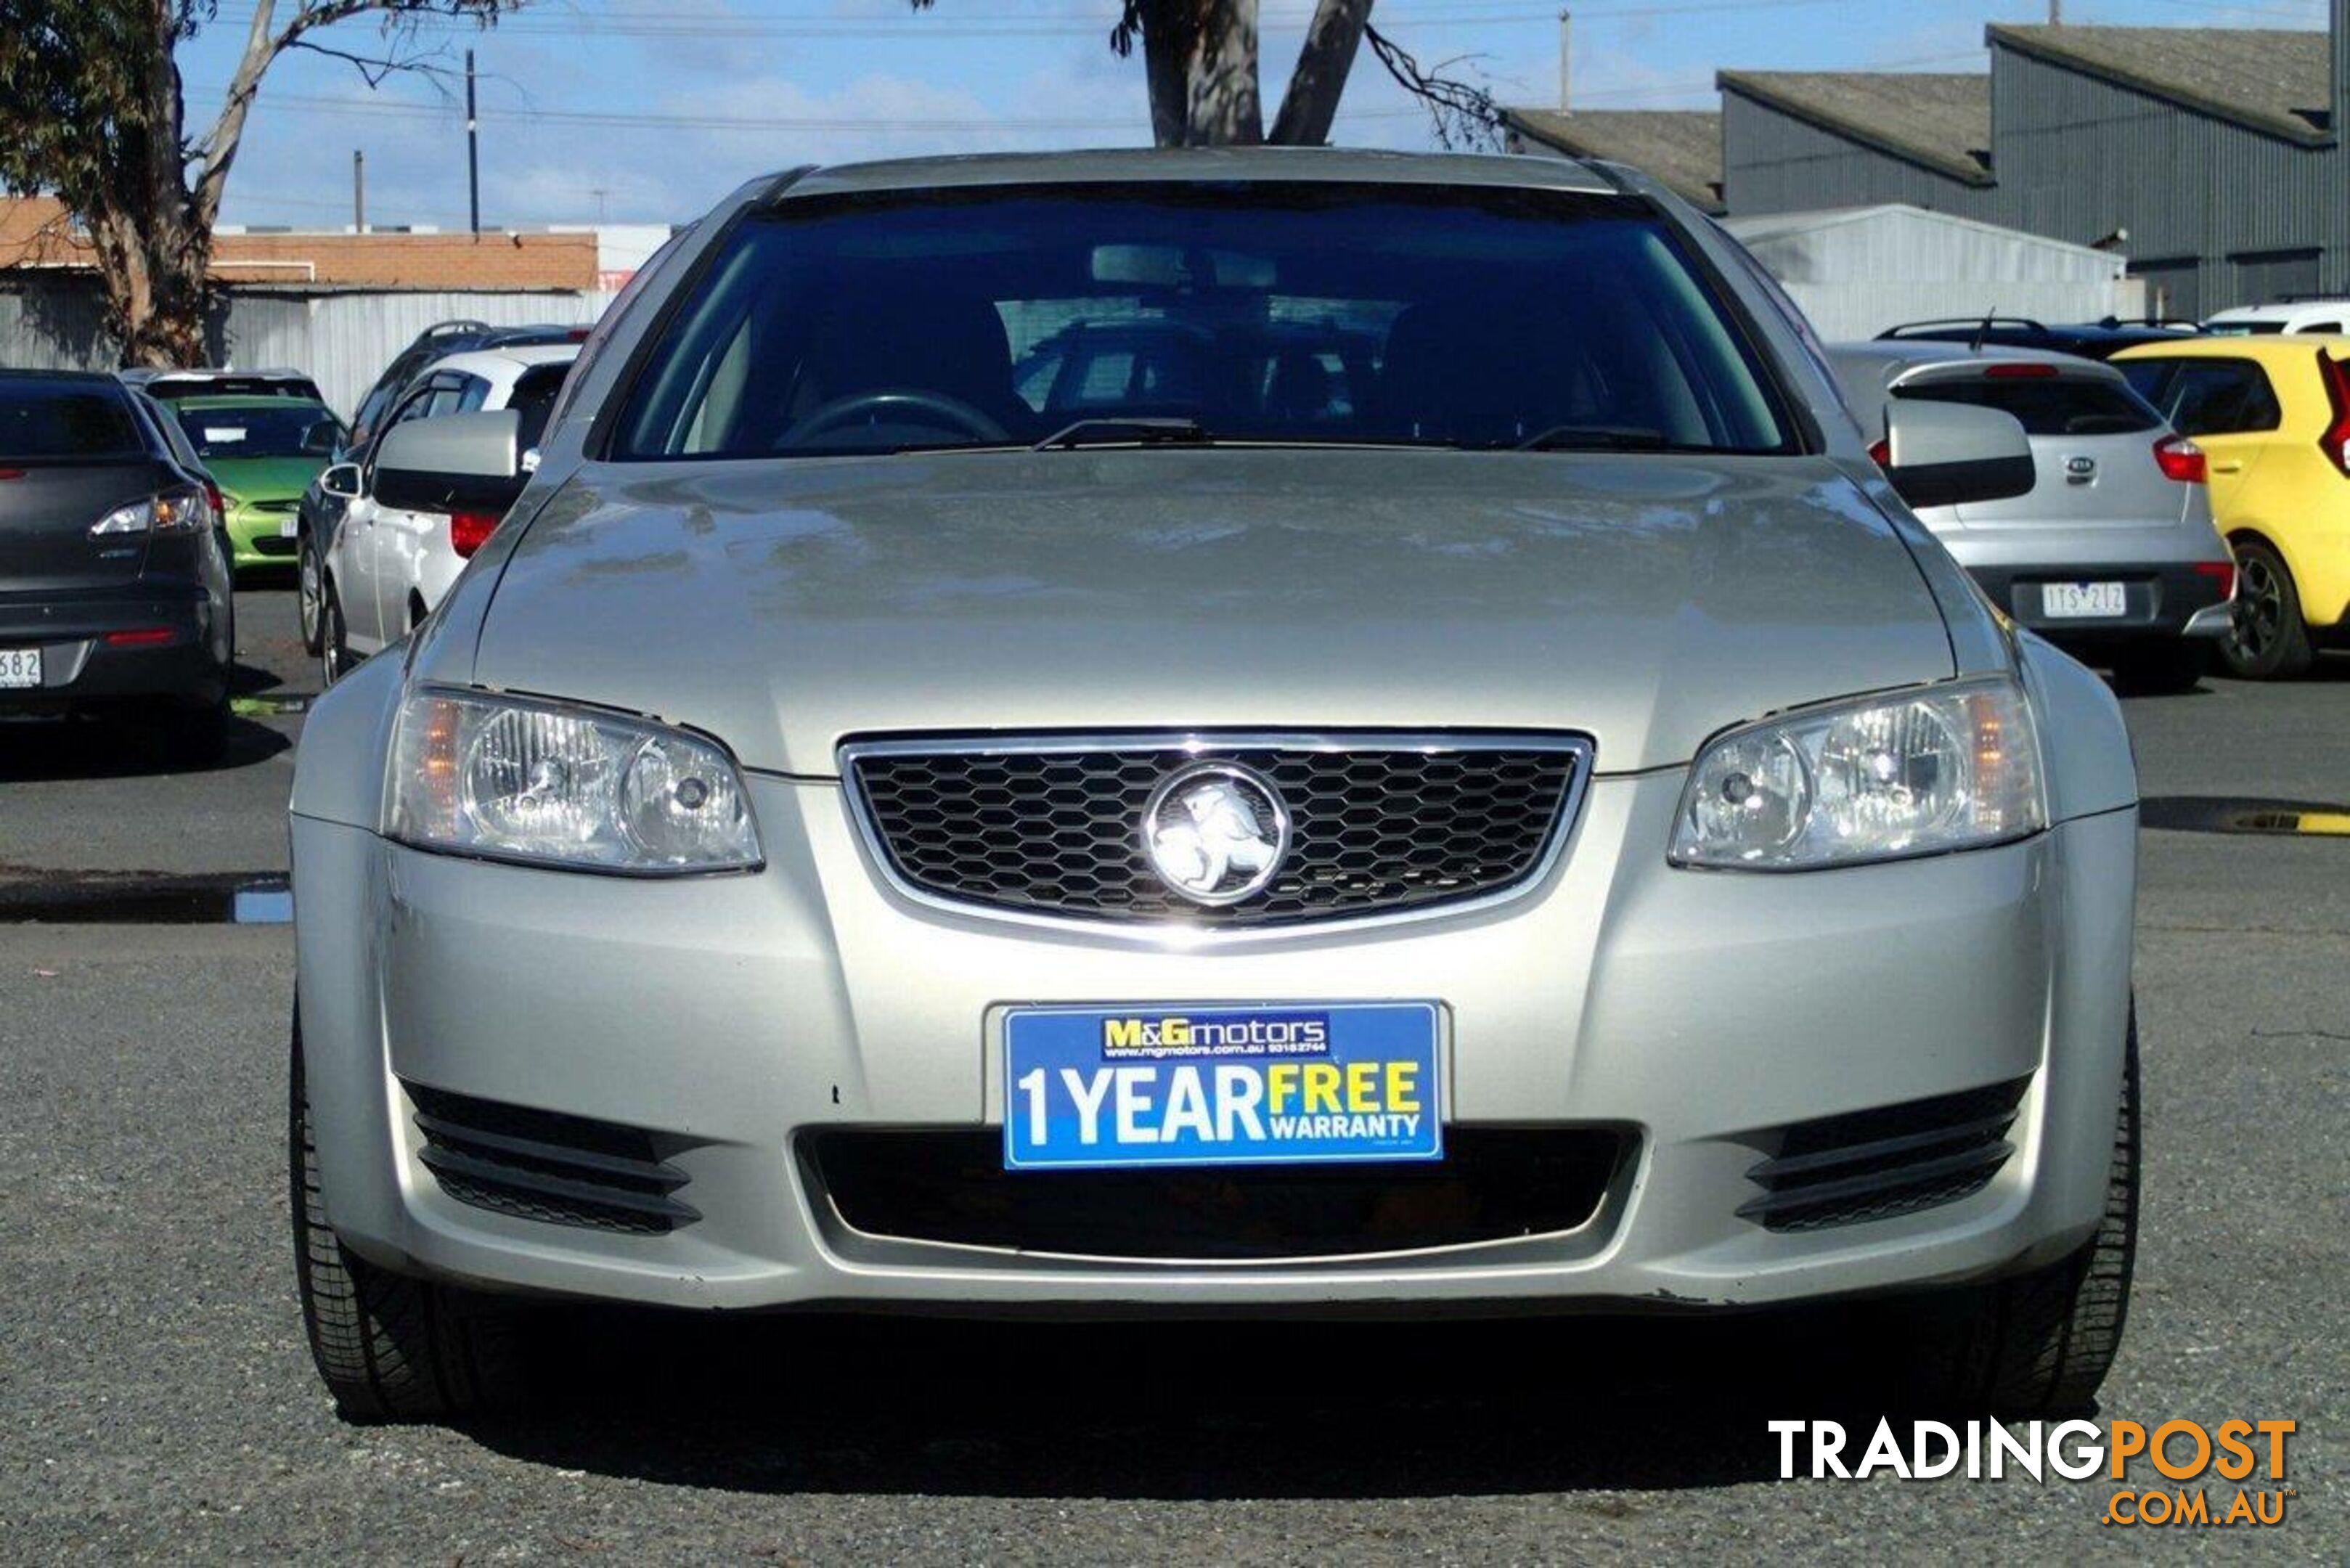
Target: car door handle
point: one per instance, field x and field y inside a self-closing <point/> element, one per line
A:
<point x="2229" y="465"/>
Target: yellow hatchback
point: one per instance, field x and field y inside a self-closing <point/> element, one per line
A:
<point x="2273" y="416"/>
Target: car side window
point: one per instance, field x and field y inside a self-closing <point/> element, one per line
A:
<point x="471" y="393"/>
<point x="2223" y="397"/>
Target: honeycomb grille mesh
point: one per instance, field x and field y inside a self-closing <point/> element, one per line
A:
<point x="1377" y="827"/>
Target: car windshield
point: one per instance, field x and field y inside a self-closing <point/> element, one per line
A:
<point x="52" y="423"/>
<point x="281" y="431"/>
<point x="1295" y="313"/>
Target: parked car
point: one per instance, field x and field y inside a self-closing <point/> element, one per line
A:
<point x="438" y="342"/>
<point x="115" y="592"/>
<point x="380" y="569"/>
<point x="2273" y="416"/>
<point x="1559" y="835"/>
<point x="2113" y="551"/>
<point x="262" y="453"/>
<point x="2328" y="316"/>
<point x="2088" y="340"/>
<point x="171" y="386"/>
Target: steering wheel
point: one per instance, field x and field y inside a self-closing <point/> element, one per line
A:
<point x="943" y="409"/>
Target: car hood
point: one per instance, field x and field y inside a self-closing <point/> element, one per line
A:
<point x="784" y="605"/>
<point x="263" y="478"/>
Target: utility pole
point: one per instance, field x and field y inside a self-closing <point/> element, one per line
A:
<point x="2055" y="13"/>
<point x="359" y="190"/>
<point x="1564" y="19"/>
<point x="473" y="148"/>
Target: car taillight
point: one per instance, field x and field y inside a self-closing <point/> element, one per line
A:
<point x="469" y="531"/>
<point x="2019" y="371"/>
<point x="2221" y="572"/>
<point x="1880" y="453"/>
<point x="220" y="503"/>
<point x="2181" y="460"/>
<point x="2336" y="442"/>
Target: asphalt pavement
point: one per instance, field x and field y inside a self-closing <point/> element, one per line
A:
<point x="156" y="1398"/>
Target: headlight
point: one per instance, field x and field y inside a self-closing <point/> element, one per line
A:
<point x="538" y="781"/>
<point x="1939" y="768"/>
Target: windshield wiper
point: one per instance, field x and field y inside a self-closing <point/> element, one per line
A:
<point x="1122" y="432"/>
<point x="1595" y="438"/>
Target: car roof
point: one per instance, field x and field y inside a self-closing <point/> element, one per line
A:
<point x="245" y="401"/>
<point x="2283" y="310"/>
<point x="61" y="378"/>
<point x="1904" y="355"/>
<point x="1143" y="164"/>
<point x="2277" y="345"/>
<point x="497" y="361"/>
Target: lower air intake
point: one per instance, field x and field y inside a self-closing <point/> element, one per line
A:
<point x="1494" y="1184"/>
<point x="550" y="1166"/>
<point x="1894" y="1159"/>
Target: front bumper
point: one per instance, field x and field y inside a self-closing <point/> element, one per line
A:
<point x="258" y="537"/>
<point x="1696" y="1012"/>
<point x="80" y="664"/>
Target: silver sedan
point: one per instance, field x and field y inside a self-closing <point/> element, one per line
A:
<point x="1281" y="732"/>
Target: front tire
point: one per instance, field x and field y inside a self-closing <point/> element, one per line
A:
<point x="389" y="1348"/>
<point x="334" y="645"/>
<point x="2042" y="1343"/>
<point x="2267" y="639"/>
<point x="309" y="596"/>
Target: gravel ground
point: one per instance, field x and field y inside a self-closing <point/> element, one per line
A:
<point x="156" y="1398"/>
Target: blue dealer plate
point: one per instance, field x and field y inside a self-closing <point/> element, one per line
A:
<point x="1090" y="1088"/>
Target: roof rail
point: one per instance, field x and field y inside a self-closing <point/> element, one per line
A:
<point x="1946" y="323"/>
<point x="442" y="329"/>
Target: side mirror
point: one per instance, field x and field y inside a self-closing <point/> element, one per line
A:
<point x="321" y="438"/>
<point x="458" y="462"/>
<point x="1947" y="454"/>
<point x="342" y="479"/>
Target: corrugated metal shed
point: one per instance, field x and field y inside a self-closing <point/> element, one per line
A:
<point x="1857" y="271"/>
<point x="342" y="338"/>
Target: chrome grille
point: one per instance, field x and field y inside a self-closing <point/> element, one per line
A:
<point x="1382" y="825"/>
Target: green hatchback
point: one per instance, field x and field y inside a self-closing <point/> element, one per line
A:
<point x="264" y="452"/>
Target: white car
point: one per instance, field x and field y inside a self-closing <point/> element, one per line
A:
<point x="2289" y="315"/>
<point x="384" y="568"/>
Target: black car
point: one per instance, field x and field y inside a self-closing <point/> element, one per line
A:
<point x="2089" y="340"/>
<point x="437" y="342"/>
<point x="114" y="563"/>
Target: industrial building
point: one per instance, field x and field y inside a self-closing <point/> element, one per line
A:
<point x="2210" y="158"/>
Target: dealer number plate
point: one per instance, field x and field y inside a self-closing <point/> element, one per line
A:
<point x="20" y="667"/>
<point x="1090" y="1088"/>
<point x="2082" y="601"/>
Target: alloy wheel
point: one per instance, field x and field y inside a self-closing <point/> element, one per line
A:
<point x="307" y="597"/>
<point x="2259" y="614"/>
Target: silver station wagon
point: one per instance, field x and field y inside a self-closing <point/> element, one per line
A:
<point x="1279" y="731"/>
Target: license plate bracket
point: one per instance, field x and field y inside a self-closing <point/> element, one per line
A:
<point x="1311" y="1083"/>
<point x="2082" y="601"/>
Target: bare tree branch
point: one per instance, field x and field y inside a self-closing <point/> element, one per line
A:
<point x="1461" y="115"/>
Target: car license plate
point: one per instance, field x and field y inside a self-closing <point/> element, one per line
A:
<point x="291" y="528"/>
<point x="20" y="667"/>
<point x="2078" y="601"/>
<point x="1093" y="1087"/>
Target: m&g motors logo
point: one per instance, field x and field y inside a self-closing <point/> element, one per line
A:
<point x="1216" y="1035"/>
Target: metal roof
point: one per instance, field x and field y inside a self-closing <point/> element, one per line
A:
<point x="1937" y="121"/>
<point x="1679" y="148"/>
<point x="1129" y="164"/>
<point x="2271" y="79"/>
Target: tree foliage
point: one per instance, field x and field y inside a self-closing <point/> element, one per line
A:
<point x="92" y="112"/>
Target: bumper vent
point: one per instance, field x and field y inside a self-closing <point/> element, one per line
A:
<point x="1895" y="1159"/>
<point x="1495" y="1184"/>
<point x="546" y="1166"/>
<point x="1381" y="823"/>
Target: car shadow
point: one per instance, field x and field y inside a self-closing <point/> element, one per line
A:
<point x="41" y="749"/>
<point x="1195" y="1410"/>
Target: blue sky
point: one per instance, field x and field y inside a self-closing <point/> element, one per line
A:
<point x="634" y="110"/>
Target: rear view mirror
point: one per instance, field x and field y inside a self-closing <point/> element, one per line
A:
<point x="342" y="479"/>
<point x="1949" y="454"/>
<point x="458" y="462"/>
